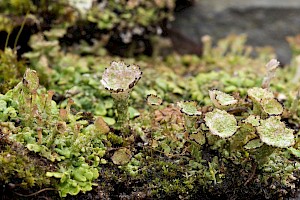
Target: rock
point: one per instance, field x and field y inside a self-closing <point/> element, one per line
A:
<point x="265" y="22"/>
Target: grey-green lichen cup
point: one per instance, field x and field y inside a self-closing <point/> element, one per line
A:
<point x="119" y="79"/>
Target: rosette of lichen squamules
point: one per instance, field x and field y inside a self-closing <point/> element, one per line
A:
<point x="274" y="132"/>
<point x="264" y="102"/>
<point x="119" y="79"/>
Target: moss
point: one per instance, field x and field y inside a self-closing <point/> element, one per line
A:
<point x="159" y="158"/>
<point x="11" y="70"/>
<point x="19" y="167"/>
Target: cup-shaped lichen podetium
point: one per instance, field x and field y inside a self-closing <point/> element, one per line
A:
<point x="119" y="79"/>
<point x="191" y="113"/>
<point x="271" y="69"/>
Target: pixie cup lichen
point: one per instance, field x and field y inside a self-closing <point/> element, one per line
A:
<point x="273" y="134"/>
<point x="119" y="79"/>
<point x="271" y="67"/>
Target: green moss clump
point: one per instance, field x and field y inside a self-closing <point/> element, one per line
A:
<point x="159" y="158"/>
<point x="11" y="70"/>
<point x="19" y="167"/>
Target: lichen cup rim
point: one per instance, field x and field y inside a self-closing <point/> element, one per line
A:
<point x="120" y="78"/>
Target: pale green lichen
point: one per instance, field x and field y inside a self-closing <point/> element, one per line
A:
<point x="189" y="108"/>
<point x="119" y="80"/>
<point x="121" y="156"/>
<point x="254" y="120"/>
<point x="264" y="102"/>
<point x="221" y="123"/>
<point x="253" y="144"/>
<point x="271" y="106"/>
<point x="274" y="132"/>
<point x="257" y="94"/>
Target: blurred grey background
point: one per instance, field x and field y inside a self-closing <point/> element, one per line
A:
<point x="266" y="22"/>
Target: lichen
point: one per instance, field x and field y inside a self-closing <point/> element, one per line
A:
<point x="119" y="80"/>
<point x="70" y="126"/>
<point x="274" y="132"/>
<point x="221" y="123"/>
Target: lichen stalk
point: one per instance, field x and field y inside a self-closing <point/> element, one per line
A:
<point x="119" y="79"/>
<point x="121" y="104"/>
<point x="295" y="103"/>
<point x="271" y="69"/>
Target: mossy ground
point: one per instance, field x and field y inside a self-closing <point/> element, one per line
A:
<point x="58" y="136"/>
<point x="165" y="163"/>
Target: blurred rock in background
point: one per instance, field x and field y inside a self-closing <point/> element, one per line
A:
<point x="267" y="23"/>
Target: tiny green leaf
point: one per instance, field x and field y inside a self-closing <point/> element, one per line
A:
<point x="198" y="137"/>
<point x="34" y="147"/>
<point x="54" y="174"/>
<point x="133" y="113"/>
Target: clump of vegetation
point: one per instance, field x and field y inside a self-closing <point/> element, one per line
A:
<point x="131" y="18"/>
<point x="11" y="70"/>
<point x="19" y="168"/>
<point x="200" y="127"/>
<point x="104" y="25"/>
<point x="55" y="134"/>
